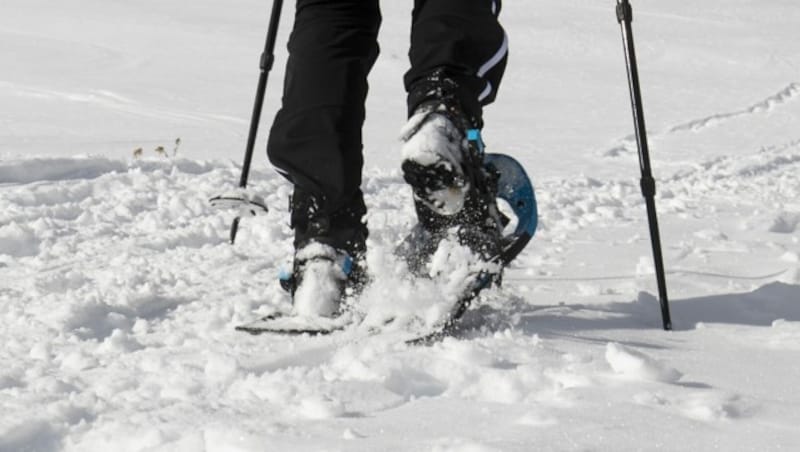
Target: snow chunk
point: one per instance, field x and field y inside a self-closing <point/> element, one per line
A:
<point x="119" y="342"/>
<point x="351" y="434"/>
<point x="318" y="293"/>
<point x="502" y="387"/>
<point x="784" y="335"/>
<point x="429" y="143"/>
<point x="636" y="365"/>
<point x="708" y="408"/>
<point x="645" y="266"/>
<point x="18" y="241"/>
<point x="454" y="266"/>
<point x="704" y="407"/>
<point x="470" y="353"/>
<point x="41" y="352"/>
<point x="320" y="408"/>
<point x="77" y="361"/>
<point x="221" y="368"/>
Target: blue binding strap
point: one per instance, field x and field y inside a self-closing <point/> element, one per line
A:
<point x="474" y="135"/>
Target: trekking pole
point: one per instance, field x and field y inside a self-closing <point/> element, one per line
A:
<point x="648" y="183"/>
<point x="267" y="60"/>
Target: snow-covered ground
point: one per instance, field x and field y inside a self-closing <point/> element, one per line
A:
<point x="119" y="291"/>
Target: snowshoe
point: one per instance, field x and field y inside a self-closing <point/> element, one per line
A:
<point x="456" y="187"/>
<point x="320" y="282"/>
<point x="327" y="268"/>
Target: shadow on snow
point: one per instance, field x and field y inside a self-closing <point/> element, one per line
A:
<point x="760" y="307"/>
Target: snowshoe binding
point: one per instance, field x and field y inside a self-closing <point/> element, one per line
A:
<point x="327" y="268"/>
<point x="456" y="187"/>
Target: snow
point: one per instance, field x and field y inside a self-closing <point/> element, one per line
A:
<point x="120" y="292"/>
<point x="637" y="365"/>
<point x="432" y="140"/>
<point x="323" y="275"/>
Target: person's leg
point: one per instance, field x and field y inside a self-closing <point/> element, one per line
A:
<point x="315" y="140"/>
<point x="461" y="42"/>
<point x="458" y="56"/>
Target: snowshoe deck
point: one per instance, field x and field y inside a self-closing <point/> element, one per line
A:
<point x="287" y="324"/>
<point x="515" y="188"/>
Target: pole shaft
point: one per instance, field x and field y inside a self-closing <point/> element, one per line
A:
<point x="648" y="184"/>
<point x="267" y="60"/>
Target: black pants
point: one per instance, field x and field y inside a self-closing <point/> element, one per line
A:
<point x="316" y="139"/>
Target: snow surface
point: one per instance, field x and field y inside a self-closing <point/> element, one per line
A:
<point x="119" y="292"/>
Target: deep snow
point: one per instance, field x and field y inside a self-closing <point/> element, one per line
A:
<point x="119" y="292"/>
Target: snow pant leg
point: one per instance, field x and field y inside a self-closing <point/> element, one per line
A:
<point x="461" y="40"/>
<point x="316" y="140"/>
